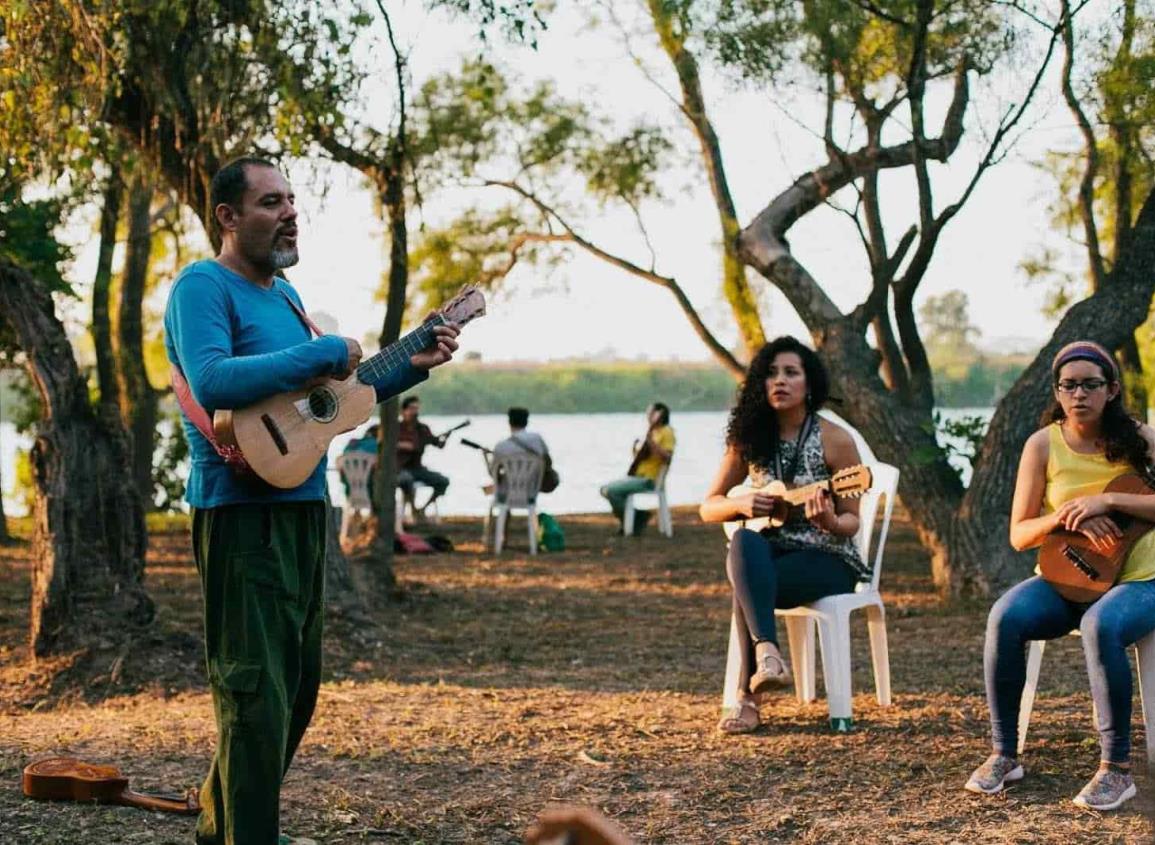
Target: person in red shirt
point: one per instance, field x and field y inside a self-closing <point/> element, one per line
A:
<point x="412" y="438"/>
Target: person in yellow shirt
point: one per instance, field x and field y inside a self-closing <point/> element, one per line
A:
<point x="651" y="456"/>
<point x="1087" y="440"/>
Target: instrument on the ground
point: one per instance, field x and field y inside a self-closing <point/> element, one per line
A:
<point x="69" y="779"/>
<point x="848" y="483"/>
<point x="284" y="437"/>
<point x="1069" y="561"/>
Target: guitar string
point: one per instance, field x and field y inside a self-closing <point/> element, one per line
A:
<point x="375" y="367"/>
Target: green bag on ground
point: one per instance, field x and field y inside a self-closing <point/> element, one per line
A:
<point x="550" y="537"/>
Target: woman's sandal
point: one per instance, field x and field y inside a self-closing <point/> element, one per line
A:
<point x="772" y="673"/>
<point x="736" y="719"/>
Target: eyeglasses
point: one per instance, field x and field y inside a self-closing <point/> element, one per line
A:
<point x="1089" y="385"/>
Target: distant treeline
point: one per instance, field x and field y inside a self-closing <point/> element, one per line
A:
<point x="565" y="388"/>
<point x="577" y="387"/>
<point x="978" y="383"/>
<point x="570" y="388"/>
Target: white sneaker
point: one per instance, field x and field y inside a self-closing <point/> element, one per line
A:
<point x="994" y="774"/>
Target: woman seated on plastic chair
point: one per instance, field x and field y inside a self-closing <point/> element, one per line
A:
<point x="1087" y="440"/>
<point x="775" y="433"/>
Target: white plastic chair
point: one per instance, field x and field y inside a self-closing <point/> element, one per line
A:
<point x="831" y="616"/>
<point x="1144" y="662"/>
<point x="520" y="483"/>
<point x="355" y="468"/>
<point x="649" y="500"/>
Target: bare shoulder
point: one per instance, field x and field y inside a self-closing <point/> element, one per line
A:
<point x="838" y="444"/>
<point x="1038" y="445"/>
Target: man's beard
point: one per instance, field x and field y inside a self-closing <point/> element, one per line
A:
<point x="284" y="257"/>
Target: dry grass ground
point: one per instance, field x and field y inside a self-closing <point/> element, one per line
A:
<point x="497" y="686"/>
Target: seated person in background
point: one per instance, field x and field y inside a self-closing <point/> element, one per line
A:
<point x="650" y="457"/>
<point x="520" y="442"/>
<point x="367" y="442"/>
<point x="412" y="438"/>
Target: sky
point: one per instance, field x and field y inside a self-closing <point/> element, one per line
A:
<point x="586" y="308"/>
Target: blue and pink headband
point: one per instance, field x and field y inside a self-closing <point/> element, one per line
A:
<point x="1085" y="350"/>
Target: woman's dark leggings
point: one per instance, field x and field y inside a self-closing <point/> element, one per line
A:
<point x="764" y="579"/>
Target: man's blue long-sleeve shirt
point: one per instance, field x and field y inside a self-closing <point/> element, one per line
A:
<point x="238" y="343"/>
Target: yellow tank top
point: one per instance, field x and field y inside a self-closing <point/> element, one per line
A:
<point x="1072" y="474"/>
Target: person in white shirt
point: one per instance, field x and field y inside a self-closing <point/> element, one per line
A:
<point x="520" y="442"/>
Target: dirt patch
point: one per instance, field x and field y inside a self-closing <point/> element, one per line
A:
<point x="498" y="685"/>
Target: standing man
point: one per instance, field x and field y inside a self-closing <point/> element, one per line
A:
<point x="412" y="438"/>
<point x="651" y="456"/>
<point x="234" y="332"/>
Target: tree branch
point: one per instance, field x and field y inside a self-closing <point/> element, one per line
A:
<point x="570" y="235"/>
<point x="1090" y="151"/>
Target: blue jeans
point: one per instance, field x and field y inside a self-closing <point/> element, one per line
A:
<point x="620" y="489"/>
<point x="765" y="578"/>
<point x="1033" y="610"/>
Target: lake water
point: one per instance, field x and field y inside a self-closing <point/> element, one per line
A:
<point x="588" y="451"/>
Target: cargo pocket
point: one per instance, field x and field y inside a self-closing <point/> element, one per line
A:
<point x="236" y="683"/>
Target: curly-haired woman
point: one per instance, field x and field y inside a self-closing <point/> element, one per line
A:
<point x="775" y="433"/>
<point x="1087" y="440"/>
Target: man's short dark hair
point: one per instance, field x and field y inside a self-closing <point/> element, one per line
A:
<point x="407" y="401"/>
<point x="518" y="417"/>
<point x="229" y="184"/>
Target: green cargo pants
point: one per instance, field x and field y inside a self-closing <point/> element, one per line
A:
<point x="262" y="570"/>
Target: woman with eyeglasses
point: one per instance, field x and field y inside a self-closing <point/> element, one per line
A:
<point x="1087" y="440"/>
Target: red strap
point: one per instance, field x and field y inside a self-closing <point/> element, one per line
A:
<point x="301" y="313"/>
<point x="199" y="417"/>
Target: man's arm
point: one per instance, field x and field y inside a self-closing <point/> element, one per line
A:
<point x="197" y="321"/>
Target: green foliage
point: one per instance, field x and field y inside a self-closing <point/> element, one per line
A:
<point x="567" y="388"/>
<point x="962" y="436"/>
<point x="946" y="328"/>
<point x="517" y="20"/>
<point x="171" y="454"/>
<point x="479" y="121"/>
<point x="27" y="236"/>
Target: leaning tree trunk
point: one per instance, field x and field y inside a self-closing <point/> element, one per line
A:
<point x="1110" y="316"/>
<point x="138" y="398"/>
<point x="89" y="537"/>
<point x="965" y="531"/>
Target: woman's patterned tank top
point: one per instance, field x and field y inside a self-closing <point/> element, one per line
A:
<point x="799" y="532"/>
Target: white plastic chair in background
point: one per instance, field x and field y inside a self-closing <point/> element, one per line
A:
<point x="520" y="483"/>
<point x="355" y="468"/>
<point x="831" y="616"/>
<point x="1144" y="662"/>
<point x="650" y="500"/>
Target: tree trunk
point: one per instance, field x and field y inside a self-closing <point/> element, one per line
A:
<point x="138" y="403"/>
<point x="89" y="540"/>
<point x="735" y="286"/>
<point x="101" y="287"/>
<point x="966" y="534"/>
<point x="393" y="200"/>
